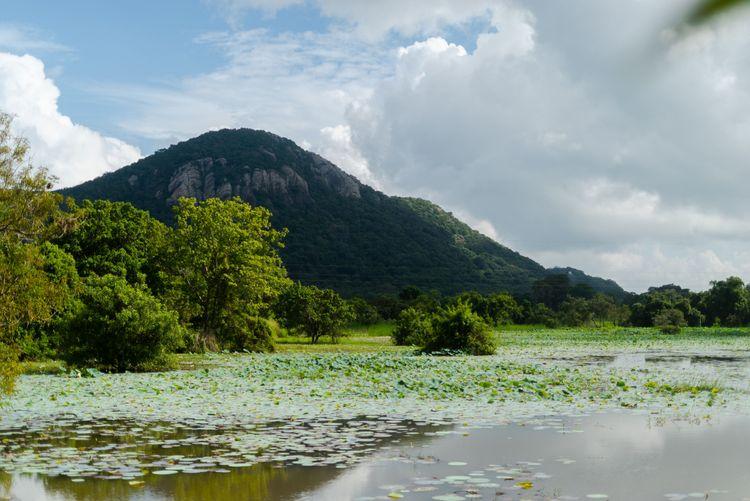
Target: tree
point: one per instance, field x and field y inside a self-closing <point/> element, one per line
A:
<point x="727" y="301"/>
<point x="458" y="329"/>
<point x="312" y="311"/>
<point x="115" y="238"/>
<point x="412" y="328"/>
<point x="363" y="312"/>
<point x="495" y="309"/>
<point x="224" y="261"/>
<point x="29" y="213"/>
<point x="670" y="321"/>
<point x="39" y="339"/>
<point x="646" y="306"/>
<point x="119" y="327"/>
<point x="551" y="290"/>
<point x="604" y="309"/>
<point x="575" y="312"/>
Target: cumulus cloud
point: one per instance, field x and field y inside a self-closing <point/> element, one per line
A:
<point x="580" y="133"/>
<point x="72" y="152"/>
<point x="575" y="155"/>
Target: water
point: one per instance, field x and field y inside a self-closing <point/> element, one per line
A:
<point x="620" y="455"/>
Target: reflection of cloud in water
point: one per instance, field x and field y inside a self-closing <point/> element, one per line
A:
<point x="347" y="486"/>
<point x="27" y="487"/>
<point x="614" y="435"/>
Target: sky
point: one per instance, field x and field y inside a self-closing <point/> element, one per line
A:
<point x="584" y="133"/>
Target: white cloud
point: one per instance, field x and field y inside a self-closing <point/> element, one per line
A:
<point x="294" y="85"/>
<point x="373" y="20"/>
<point x="72" y="152"/>
<point x="22" y="39"/>
<point x="570" y="151"/>
<point x="567" y="130"/>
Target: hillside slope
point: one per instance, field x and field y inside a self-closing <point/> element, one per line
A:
<point x="342" y="234"/>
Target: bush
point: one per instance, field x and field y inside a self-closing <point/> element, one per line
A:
<point x="119" y="327"/>
<point x="247" y="333"/>
<point x="364" y="313"/>
<point x="412" y="328"/>
<point x="457" y="328"/>
<point x="670" y="321"/>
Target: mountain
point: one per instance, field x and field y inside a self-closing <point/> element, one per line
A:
<point x="602" y="285"/>
<point x="342" y="233"/>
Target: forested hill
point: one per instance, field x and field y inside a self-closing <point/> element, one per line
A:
<point x="342" y="234"/>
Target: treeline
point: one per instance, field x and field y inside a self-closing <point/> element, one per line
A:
<point x="555" y="302"/>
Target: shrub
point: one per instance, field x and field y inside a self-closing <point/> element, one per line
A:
<point x="457" y="328"/>
<point x="670" y="321"/>
<point x="412" y="328"/>
<point x="119" y="327"/>
<point x="363" y="312"/>
<point x="242" y="332"/>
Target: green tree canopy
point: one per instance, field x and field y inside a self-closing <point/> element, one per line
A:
<point x="312" y="311"/>
<point x="223" y="260"/>
<point x="115" y="238"/>
<point x="728" y="302"/>
<point x="29" y="213"/>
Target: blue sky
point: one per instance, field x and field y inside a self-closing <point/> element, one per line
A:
<point x="585" y="133"/>
<point x="137" y="41"/>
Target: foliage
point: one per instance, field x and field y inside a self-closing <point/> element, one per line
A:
<point x="727" y="302"/>
<point x="670" y="321"/>
<point x="646" y="306"/>
<point x="551" y="290"/>
<point x="243" y="332"/>
<point x="458" y="329"/>
<point x="495" y="309"/>
<point x="115" y="238"/>
<point x="119" y="327"/>
<point x="223" y="262"/>
<point x="39" y="339"/>
<point x="412" y="328"/>
<point x="29" y="213"/>
<point x="363" y="312"/>
<point x="708" y="9"/>
<point x="9" y="368"/>
<point x="312" y="311"/>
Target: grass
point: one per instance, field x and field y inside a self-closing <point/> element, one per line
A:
<point x="357" y="339"/>
<point x="531" y="339"/>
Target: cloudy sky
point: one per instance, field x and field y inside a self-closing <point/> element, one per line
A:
<point x="583" y="133"/>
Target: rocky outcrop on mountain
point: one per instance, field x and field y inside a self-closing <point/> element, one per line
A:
<point x="206" y="178"/>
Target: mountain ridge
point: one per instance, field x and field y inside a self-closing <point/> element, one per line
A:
<point x="343" y="234"/>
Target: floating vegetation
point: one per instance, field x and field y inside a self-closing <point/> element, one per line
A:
<point x="314" y="410"/>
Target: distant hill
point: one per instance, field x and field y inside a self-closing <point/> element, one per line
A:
<point x="342" y="233"/>
<point x="602" y="285"/>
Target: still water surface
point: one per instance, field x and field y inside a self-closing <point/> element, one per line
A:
<point x="601" y="456"/>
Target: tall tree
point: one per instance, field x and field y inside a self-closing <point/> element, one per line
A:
<point x="29" y="213"/>
<point x="224" y="261"/>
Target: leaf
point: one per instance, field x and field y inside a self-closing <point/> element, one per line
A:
<point x="708" y="9"/>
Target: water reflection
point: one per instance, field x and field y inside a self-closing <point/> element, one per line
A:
<point x="620" y="455"/>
